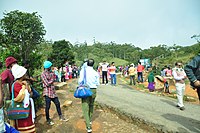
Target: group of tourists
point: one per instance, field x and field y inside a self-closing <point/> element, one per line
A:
<point x="16" y="86"/>
<point x="65" y="73"/>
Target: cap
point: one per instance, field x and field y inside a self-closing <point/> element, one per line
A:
<point x="10" y="60"/>
<point x="47" y="64"/>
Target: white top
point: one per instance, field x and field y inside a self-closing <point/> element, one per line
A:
<point x="92" y="77"/>
<point x="104" y="66"/>
<point x="178" y="73"/>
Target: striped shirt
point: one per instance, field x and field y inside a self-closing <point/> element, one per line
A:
<point x="48" y="78"/>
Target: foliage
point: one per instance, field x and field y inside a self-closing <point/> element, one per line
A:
<point x="160" y="55"/>
<point x="20" y="34"/>
<point x="61" y="52"/>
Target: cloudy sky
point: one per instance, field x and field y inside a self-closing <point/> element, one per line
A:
<point x="143" y="23"/>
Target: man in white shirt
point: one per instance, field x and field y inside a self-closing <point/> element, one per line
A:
<point x="179" y="77"/>
<point x="92" y="80"/>
<point x="104" y="67"/>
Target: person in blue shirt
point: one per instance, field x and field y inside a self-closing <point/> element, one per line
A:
<point x="92" y="81"/>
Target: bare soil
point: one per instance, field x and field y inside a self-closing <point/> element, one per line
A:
<point x="104" y="121"/>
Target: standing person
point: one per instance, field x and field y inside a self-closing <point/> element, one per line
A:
<point x="151" y="85"/>
<point x="104" y="68"/>
<point x="140" y="69"/>
<point x="49" y="92"/>
<point x="179" y="76"/>
<point x="7" y="80"/>
<point x="112" y="70"/>
<point x="92" y="80"/>
<point x="132" y="73"/>
<point x="192" y="70"/>
<point x="4" y="127"/>
<point x="7" y="77"/>
<point x="22" y="92"/>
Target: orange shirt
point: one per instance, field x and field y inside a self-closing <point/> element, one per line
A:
<point x="112" y="69"/>
<point x="140" y="68"/>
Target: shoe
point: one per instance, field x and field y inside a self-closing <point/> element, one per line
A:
<point x="63" y="118"/>
<point x="89" y="130"/>
<point x="49" y="122"/>
<point x="177" y="106"/>
<point x="182" y="108"/>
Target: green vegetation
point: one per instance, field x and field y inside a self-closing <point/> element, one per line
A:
<point x="21" y="36"/>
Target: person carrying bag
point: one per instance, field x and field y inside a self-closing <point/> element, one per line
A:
<point x="83" y="91"/>
<point x="92" y="81"/>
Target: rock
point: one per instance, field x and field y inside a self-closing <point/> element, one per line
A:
<point x="60" y="85"/>
<point x="67" y="103"/>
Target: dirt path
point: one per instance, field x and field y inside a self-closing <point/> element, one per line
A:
<point x="103" y="120"/>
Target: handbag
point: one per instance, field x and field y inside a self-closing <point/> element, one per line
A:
<point x="16" y="110"/>
<point x="83" y="91"/>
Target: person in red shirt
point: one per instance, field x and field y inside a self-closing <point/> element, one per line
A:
<point x="112" y="70"/>
<point x="6" y="75"/>
<point x="140" y="69"/>
<point x="7" y="80"/>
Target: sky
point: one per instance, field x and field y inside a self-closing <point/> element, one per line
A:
<point x="143" y="23"/>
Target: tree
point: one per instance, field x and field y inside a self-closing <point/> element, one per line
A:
<point x="61" y="52"/>
<point x="21" y="33"/>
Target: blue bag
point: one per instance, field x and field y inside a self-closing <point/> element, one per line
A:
<point x="83" y="91"/>
<point x="36" y="94"/>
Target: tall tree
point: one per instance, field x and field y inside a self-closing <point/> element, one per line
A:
<point x="21" y="32"/>
<point x="61" y="52"/>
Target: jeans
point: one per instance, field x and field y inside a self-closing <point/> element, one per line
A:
<point x="132" y="79"/>
<point x="88" y="108"/>
<point x="180" y="89"/>
<point x="113" y="79"/>
<point x="48" y="105"/>
<point x="140" y="77"/>
<point x="166" y="87"/>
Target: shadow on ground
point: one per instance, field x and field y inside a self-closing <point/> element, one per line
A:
<point x="190" y="124"/>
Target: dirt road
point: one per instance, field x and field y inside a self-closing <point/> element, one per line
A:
<point x="104" y="121"/>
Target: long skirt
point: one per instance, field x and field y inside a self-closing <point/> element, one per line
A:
<point x="25" y="125"/>
<point x="151" y="86"/>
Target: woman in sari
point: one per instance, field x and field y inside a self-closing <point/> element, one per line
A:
<point x="21" y="94"/>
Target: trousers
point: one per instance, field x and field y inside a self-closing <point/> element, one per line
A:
<point x="88" y="108"/>
<point x="180" y="89"/>
<point x="48" y="105"/>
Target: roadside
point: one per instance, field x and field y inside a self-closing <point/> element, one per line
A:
<point x="190" y="94"/>
<point x="151" y="110"/>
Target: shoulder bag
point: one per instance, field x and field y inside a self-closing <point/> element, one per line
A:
<point x="83" y="91"/>
<point x="16" y="110"/>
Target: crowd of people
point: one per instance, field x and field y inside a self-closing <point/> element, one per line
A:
<point x="16" y="85"/>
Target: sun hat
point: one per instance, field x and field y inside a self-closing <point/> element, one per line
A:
<point x="10" y="60"/>
<point x="18" y="71"/>
<point x="131" y="64"/>
<point x="47" y="64"/>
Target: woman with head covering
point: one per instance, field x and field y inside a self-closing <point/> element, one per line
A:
<point x="22" y="92"/>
